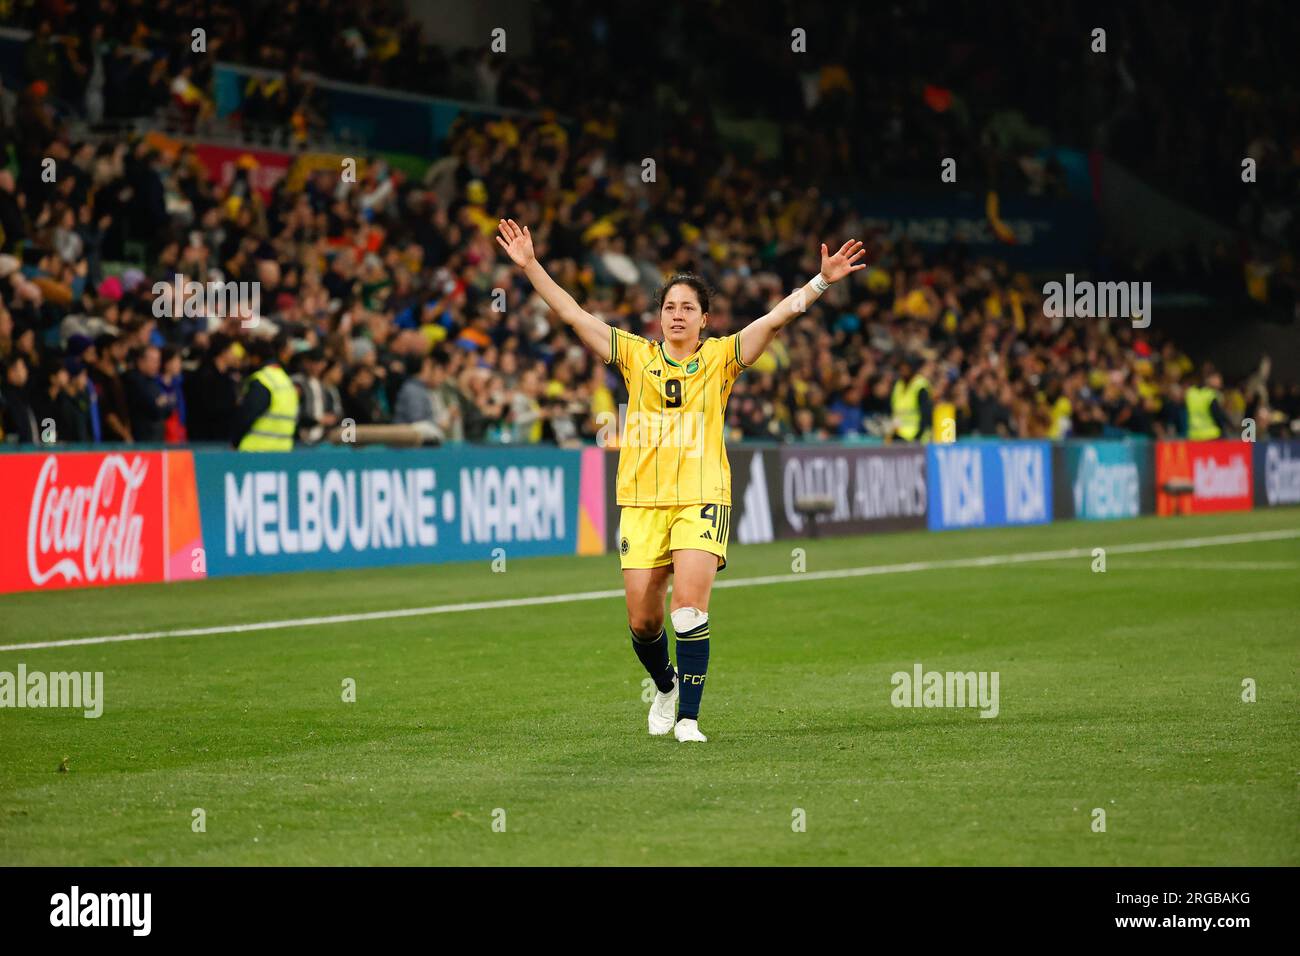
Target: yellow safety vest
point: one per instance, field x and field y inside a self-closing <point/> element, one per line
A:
<point x="1200" y="421"/>
<point x="274" y="430"/>
<point x="906" y="407"/>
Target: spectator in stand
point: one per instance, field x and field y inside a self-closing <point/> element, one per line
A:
<point x="845" y="411"/>
<point x="211" y="392"/>
<point x="320" y="406"/>
<point x="527" y="413"/>
<point x="148" y="402"/>
<point x="13" y="228"/>
<point x="81" y="411"/>
<point x="65" y="404"/>
<point x="485" y="406"/>
<point x="106" y="378"/>
<point x="42" y="58"/>
<point x="421" y="402"/>
<point x="189" y="99"/>
<point x="172" y="382"/>
<point x="360" y="403"/>
<point x="19" y="420"/>
<point x="376" y="275"/>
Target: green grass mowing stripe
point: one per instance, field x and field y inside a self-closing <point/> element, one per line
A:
<point x="1120" y="691"/>
<point x="800" y="577"/>
<point x="27" y="617"/>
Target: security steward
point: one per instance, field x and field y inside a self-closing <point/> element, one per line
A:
<point x="268" y="413"/>
<point x="1206" y="419"/>
<point x="910" y="403"/>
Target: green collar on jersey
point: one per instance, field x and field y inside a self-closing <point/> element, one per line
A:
<point x="692" y="362"/>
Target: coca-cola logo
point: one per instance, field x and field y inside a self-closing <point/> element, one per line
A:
<point x="86" y="532"/>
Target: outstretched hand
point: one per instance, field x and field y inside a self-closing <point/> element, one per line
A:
<point x="836" y="267"/>
<point x="517" y="242"/>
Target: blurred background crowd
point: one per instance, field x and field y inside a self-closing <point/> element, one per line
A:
<point x="388" y="301"/>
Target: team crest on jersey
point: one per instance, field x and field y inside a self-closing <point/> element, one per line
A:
<point x="693" y="366"/>
<point x="623" y="545"/>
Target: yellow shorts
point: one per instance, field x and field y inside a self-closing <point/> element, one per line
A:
<point x="647" y="537"/>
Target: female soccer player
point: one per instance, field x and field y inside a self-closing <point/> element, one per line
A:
<point x="674" y="483"/>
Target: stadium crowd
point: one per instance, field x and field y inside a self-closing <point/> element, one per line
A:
<point x="868" y="94"/>
<point x="387" y="301"/>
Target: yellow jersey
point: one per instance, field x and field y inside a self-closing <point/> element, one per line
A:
<point x="672" y="442"/>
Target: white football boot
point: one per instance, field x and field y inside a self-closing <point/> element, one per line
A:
<point x="688" y="730"/>
<point x="663" y="711"/>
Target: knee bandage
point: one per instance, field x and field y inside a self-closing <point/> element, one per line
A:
<point x="687" y="621"/>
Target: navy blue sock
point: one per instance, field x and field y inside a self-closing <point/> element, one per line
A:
<point x="654" y="657"/>
<point x="693" y="663"/>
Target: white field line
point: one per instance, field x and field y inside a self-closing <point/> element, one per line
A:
<point x="1216" y="566"/>
<point x="986" y="561"/>
<point x="1134" y="568"/>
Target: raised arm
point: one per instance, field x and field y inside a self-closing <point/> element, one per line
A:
<point x="758" y="335"/>
<point x="518" y="244"/>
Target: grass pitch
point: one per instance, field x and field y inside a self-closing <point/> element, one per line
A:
<point x="1120" y="691"/>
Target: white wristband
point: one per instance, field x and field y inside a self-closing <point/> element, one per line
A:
<point x="820" y="284"/>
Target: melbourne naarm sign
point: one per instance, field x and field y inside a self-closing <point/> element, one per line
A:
<point x="300" y="511"/>
<point x="77" y="519"/>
